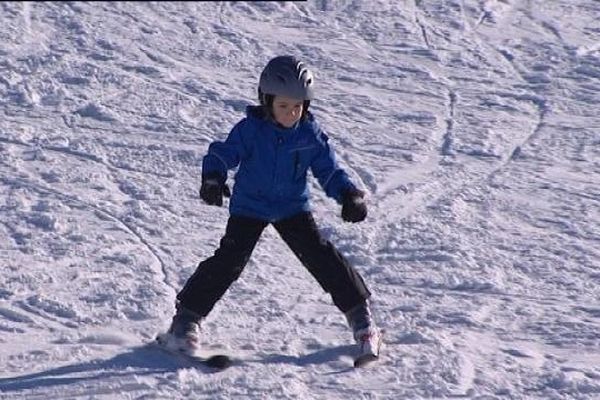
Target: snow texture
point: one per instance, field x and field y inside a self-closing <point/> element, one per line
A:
<point x="473" y="125"/>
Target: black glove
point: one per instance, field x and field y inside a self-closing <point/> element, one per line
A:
<point x="354" y="208"/>
<point x="213" y="189"/>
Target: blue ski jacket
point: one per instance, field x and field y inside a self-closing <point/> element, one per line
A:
<point x="270" y="183"/>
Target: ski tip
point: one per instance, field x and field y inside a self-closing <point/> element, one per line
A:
<point x="219" y="361"/>
<point x="364" y="360"/>
<point x="160" y="339"/>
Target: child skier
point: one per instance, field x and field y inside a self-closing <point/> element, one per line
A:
<point x="274" y="146"/>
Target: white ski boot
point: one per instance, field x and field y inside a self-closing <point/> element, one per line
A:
<point x="183" y="335"/>
<point x="367" y="335"/>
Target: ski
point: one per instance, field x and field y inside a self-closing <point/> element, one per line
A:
<point x="217" y="362"/>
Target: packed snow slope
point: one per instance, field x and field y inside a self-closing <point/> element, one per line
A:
<point x="472" y="125"/>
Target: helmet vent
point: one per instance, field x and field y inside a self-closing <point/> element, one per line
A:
<point x="287" y="76"/>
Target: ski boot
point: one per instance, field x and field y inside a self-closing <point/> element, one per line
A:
<point x="367" y="335"/>
<point x="183" y="335"/>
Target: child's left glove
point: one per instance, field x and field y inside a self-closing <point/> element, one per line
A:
<point x="354" y="208"/>
<point x="213" y="189"/>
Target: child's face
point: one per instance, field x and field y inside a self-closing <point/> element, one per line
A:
<point x="287" y="111"/>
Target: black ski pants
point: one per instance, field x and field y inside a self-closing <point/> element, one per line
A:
<point x="215" y="274"/>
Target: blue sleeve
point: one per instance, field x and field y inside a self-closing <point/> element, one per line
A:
<point x="223" y="156"/>
<point x="333" y="179"/>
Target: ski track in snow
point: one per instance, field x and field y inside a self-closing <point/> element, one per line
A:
<point x="472" y="125"/>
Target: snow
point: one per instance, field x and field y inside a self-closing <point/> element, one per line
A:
<point x="472" y="125"/>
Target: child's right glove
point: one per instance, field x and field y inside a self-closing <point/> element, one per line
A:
<point x="213" y="189"/>
<point x="354" y="208"/>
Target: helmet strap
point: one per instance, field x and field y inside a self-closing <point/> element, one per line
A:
<point x="306" y="104"/>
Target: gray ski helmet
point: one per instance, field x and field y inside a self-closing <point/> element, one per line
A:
<point x="287" y="76"/>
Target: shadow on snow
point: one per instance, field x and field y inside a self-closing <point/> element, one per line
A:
<point x="138" y="361"/>
<point x="322" y="356"/>
<point x="146" y="360"/>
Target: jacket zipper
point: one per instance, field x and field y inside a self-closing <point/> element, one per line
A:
<point x="296" y="162"/>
